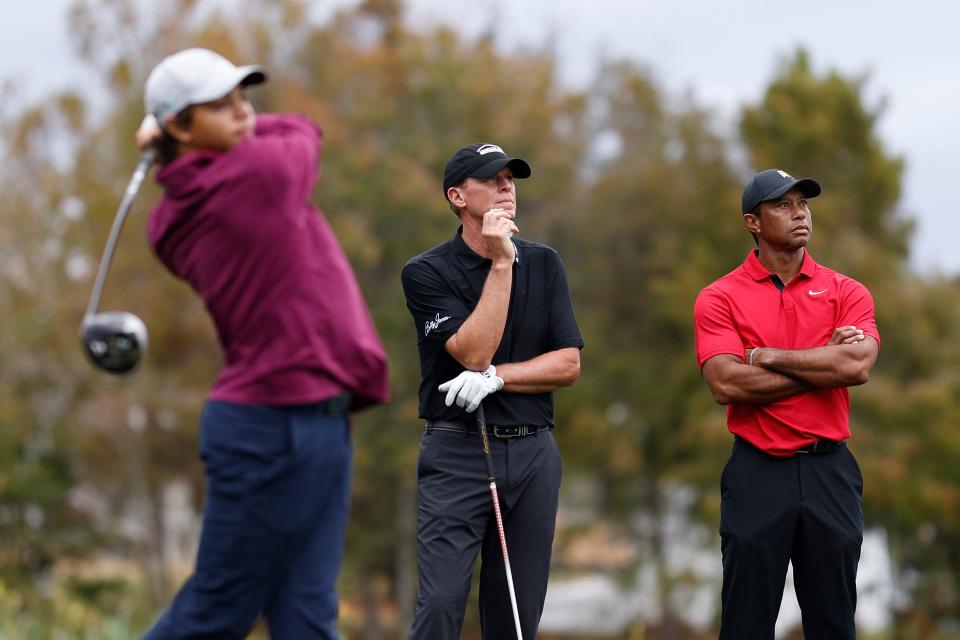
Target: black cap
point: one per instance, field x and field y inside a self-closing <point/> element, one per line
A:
<point x="480" y="161"/>
<point x="773" y="183"/>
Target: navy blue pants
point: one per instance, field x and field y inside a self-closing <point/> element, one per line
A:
<point x="273" y="525"/>
<point x="456" y="521"/>
<point x="774" y="510"/>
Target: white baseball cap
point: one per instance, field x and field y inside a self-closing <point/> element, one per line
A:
<point x="194" y="76"/>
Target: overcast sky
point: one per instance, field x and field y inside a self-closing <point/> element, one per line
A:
<point x="725" y="53"/>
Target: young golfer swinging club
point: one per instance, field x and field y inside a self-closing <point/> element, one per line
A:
<point x="301" y="351"/>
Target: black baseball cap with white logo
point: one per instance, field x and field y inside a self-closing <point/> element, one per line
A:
<point x="480" y="161"/>
<point x="773" y="183"/>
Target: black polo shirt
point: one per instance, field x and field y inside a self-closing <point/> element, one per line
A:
<point x="443" y="286"/>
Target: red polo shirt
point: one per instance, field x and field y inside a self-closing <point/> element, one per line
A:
<point x="745" y="309"/>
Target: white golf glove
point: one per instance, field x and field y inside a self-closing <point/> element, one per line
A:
<point x="471" y="387"/>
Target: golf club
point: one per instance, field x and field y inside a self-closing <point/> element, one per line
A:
<point x="482" y="425"/>
<point x="116" y="340"/>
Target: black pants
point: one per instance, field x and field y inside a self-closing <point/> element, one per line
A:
<point x="804" y="509"/>
<point x="455" y="522"/>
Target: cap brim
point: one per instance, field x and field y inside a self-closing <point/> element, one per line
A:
<point x="253" y="74"/>
<point x="519" y="167"/>
<point x="809" y="187"/>
<point x="244" y="76"/>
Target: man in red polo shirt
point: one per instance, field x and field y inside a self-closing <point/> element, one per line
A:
<point x="779" y="340"/>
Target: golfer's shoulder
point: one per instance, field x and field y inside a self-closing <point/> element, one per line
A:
<point x="537" y="251"/>
<point x="253" y="169"/>
<point x="733" y="283"/>
<point x="434" y="259"/>
<point x="826" y="276"/>
<point x="284" y="146"/>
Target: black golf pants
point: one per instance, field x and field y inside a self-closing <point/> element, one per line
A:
<point x="774" y="510"/>
<point x="456" y="521"/>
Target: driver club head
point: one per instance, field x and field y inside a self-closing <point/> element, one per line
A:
<point x="114" y="340"/>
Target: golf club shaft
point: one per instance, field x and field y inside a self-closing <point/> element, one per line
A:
<point x="482" y="425"/>
<point x="132" y="188"/>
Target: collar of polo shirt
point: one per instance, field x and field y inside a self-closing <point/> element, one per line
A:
<point x="470" y="258"/>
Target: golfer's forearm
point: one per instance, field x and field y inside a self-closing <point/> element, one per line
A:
<point x="547" y="372"/>
<point x="743" y="384"/>
<point x="843" y="365"/>
<point x="477" y="339"/>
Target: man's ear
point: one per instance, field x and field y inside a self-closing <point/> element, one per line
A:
<point x="752" y="223"/>
<point x="455" y="196"/>
<point x="178" y="132"/>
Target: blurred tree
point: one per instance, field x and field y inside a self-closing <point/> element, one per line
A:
<point x="821" y="127"/>
<point x="653" y="224"/>
<point x="38" y="385"/>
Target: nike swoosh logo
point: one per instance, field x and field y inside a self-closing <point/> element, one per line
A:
<point x="815" y="293"/>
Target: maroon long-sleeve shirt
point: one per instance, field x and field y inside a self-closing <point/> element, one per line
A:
<point x="240" y="229"/>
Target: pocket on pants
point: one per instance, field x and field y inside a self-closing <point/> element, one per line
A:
<point x="856" y="477"/>
<point x="725" y="479"/>
<point x="425" y="461"/>
<point x="243" y="446"/>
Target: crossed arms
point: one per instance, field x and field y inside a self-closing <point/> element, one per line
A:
<point x="766" y="374"/>
<point x="474" y="344"/>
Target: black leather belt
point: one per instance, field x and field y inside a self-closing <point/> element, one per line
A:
<point x="820" y="447"/>
<point x="516" y="431"/>
<point x="336" y="407"/>
<point x="817" y="448"/>
<point x="496" y="430"/>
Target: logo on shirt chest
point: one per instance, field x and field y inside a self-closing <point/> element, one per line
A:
<point x="431" y="325"/>
<point x="811" y="292"/>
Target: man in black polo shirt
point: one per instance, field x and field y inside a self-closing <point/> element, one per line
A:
<point x="494" y="324"/>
